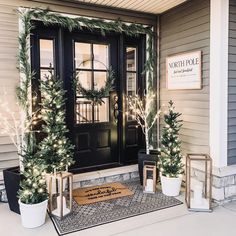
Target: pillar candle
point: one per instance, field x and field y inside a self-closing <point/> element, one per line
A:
<point x="149" y="186"/>
<point x="197" y="190"/>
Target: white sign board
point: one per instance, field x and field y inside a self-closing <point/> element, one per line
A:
<point x="183" y="71"/>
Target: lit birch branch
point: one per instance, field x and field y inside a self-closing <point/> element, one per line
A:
<point x="140" y="110"/>
<point x="12" y="126"/>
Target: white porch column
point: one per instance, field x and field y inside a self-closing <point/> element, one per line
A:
<point x="219" y="21"/>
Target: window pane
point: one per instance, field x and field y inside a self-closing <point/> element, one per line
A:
<point x="101" y="112"/>
<point x="131" y="84"/>
<point x="84" y="78"/>
<point x="44" y="74"/>
<point x="83" y="111"/>
<point x="99" y="79"/>
<point x="46" y="52"/>
<point x="131" y="59"/>
<point x="100" y="56"/>
<point x="83" y="55"/>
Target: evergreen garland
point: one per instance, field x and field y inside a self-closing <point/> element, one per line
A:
<point x="104" y="26"/>
<point x="170" y="158"/>
<point x="56" y="150"/>
<point x="52" y="18"/>
<point x="27" y="75"/>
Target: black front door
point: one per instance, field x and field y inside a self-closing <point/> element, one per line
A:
<point x="104" y="134"/>
<point x="94" y="126"/>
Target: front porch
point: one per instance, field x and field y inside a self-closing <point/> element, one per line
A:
<point x="177" y="221"/>
<point x="111" y="137"/>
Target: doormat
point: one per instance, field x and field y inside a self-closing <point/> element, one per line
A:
<point x="100" y="193"/>
<point x="95" y="214"/>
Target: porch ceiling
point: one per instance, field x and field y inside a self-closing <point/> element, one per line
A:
<point x="148" y="6"/>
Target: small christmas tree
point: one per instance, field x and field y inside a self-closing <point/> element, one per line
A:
<point x="170" y="157"/>
<point x="56" y="150"/>
<point x="33" y="188"/>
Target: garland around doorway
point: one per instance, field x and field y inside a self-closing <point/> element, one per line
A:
<point x="51" y="18"/>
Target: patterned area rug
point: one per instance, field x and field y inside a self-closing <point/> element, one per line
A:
<point x="87" y="216"/>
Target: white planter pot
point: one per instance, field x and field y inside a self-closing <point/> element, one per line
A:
<point x="33" y="215"/>
<point x="170" y="186"/>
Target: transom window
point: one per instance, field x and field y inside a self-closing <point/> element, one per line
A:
<point x="91" y="63"/>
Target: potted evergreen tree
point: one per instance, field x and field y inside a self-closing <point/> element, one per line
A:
<point x="141" y="109"/>
<point x="170" y="160"/>
<point x="55" y="149"/>
<point x="33" y="196"/>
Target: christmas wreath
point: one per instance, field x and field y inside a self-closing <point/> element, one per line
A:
<point x="96" y="95"/>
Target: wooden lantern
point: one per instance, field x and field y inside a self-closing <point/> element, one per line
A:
<point x="149" y="177"/>
<point x="60" y="194"/>
<point x="198" y="194"/>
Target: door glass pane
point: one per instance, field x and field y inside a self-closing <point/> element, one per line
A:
<point x="85" y="78"/>
<point x="44" y="74"/>
<point x="101" y="112"/>
<point x="100" y="52"/>
<point x="99" y="79"/>
<point x="46" y="52"/>
<point x="83" y="55"/>
<point x="131" y="59"/>
<point x="83" y="111"/>
<point x="131" y="84"/>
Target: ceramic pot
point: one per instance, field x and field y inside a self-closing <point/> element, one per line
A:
<point x="33" y="215"/>
<point x="171" y="186"/>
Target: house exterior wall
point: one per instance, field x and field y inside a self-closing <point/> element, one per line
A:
<point x="9" y="75"/>
<point x="183" y="29"/>
<point x="232" y="85"/>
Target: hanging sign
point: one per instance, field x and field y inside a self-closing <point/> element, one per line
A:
<point x="183" y="71"/>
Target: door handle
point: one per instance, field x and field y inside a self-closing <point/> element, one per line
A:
<point x="116" y="108"/>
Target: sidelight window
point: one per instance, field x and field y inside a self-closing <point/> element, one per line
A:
<point x="46" y="47"/>
<point x="131" y="75"/>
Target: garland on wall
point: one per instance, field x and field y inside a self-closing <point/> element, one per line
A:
<point x="51" y="18"/>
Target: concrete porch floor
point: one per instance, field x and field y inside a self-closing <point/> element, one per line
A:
<point x="175" y="221"/>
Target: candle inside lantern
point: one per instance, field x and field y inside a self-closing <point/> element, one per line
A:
<point x="197" y="198"/>
<point x="65" y="210"/>
<point x="149" y="185"/>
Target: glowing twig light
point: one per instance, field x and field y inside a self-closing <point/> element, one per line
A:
<point x="12" y="126"/>
<point x="140" y="110"/>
